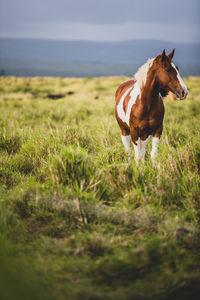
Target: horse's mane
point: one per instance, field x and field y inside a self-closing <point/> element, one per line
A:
<point x="141" y="74"/>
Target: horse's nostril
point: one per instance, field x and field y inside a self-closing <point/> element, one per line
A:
<point x="183" y="93"/>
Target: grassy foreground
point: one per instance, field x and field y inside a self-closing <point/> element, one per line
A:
<point x="76" y="220"/>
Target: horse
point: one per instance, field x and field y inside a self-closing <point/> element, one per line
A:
<point x="139" y="105"/>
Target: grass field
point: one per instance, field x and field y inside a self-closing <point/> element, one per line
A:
<point x="77" y="221"/>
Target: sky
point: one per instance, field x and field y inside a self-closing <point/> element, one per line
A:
<point x="101" y="20"/>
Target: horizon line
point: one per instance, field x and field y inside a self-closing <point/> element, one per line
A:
<point x="94" y="41"/>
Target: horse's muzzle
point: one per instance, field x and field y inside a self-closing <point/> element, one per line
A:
<point x="182" y="94"/>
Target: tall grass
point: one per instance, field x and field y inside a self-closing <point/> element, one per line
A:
<point x="77" y="220"/>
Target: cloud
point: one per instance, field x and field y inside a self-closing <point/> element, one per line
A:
<point x="107" y="32"/>
<point x="104" y="11"/>
<point x="101" y="20"/>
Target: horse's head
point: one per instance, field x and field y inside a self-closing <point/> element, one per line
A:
<point x="168" y="77"/>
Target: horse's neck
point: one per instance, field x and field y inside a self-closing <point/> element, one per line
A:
<point x="164" y="92"/>
<point x="150" y="92"/>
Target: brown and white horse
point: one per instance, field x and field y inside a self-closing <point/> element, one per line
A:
<point x="139" y="106"/>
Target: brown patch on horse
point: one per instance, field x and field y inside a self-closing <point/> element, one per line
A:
<point x="122" y="89"/>
<point x="125" y="129"/>
<point x="126" y="101"/>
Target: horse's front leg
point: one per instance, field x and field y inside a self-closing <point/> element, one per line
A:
<point x="143" y="143"/>
<point x="154" y="151"/>
<point x="155" y="141"/>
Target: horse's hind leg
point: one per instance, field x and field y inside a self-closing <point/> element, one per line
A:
<point x="126" y="140"/>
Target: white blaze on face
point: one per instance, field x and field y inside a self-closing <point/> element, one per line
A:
<point x="184" y="87"/>
<point x="125" y="117"/>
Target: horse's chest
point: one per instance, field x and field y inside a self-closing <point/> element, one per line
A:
<point x="152" y="123"/>
<point x="147" y="122"/>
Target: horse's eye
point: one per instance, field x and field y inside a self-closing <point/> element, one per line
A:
<point x="168" y="70"/>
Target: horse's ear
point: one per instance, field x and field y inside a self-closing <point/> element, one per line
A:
<point x="171" y="54"/>
<point x="163" y="55"/>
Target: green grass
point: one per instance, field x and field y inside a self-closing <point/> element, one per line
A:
<point x="77" y="221"/>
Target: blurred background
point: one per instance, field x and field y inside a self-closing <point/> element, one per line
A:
<point x="96" y="38"/>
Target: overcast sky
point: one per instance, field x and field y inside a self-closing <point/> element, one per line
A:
<point x="101" y="20"/>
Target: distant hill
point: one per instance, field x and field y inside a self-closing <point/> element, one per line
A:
<point x="32" y="57"/>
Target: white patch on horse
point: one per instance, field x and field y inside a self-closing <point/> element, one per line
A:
<point x="179" y="78"/>
<point x="134" y="94"/>
<point x="133" y="97"/>
<point x="126" y="139"/>
<point x="137" y="150"/>
<point x="154" y="151"/>
<point x="140" y="149"/>
<point x="120" y="108"/>
<point x="141" y="75"/>
<point x="143" y="145"/>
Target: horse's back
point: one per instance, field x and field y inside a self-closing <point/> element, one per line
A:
<point x="122" y="89"/>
